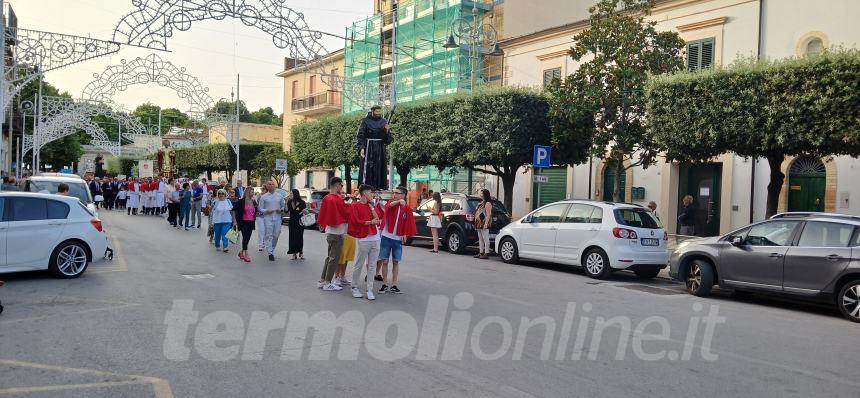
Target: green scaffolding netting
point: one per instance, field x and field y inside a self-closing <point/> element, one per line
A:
<point x="424" y="67"/>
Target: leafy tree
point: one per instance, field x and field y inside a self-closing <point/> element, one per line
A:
<point x="601" y="105"/>
<point x="329" y="142"/>
<point x="148" y="115"/>
<point x="760" y="108"/>
<point x="264" y="115"/>
<point x="263" y="166"/>
<point x="493" y="131"/>
<point x="217" y="157"/>
<point x="64" y="151"/>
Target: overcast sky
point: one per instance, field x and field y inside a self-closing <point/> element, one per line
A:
<point x="214" y="51"/>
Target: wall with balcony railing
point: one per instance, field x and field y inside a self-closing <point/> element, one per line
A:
<point x="318" y="102"/>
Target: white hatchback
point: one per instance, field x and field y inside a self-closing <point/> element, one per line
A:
<point x="598" y="236"/>
<point x="45" y="231"/>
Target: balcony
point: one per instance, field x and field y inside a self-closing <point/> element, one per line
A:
<point x="323" y="102"/>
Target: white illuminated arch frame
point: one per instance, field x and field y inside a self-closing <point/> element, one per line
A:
<point x="154" y="21"/>
<point x="151" y="69"/>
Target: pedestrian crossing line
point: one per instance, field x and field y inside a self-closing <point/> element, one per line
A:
<point x="160" y="387"/>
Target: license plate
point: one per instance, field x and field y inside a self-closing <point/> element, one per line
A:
<point x="650" y="242"/>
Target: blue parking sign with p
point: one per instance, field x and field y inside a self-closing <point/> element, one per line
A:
<point x="542" y="156"/>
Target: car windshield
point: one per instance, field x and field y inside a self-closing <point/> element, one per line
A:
<point x="318" y="195"/>
<point x="637" y="218"/>
<point x="78" y="190"/>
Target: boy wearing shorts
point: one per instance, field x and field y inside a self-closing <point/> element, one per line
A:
<point x="398" y="225"/>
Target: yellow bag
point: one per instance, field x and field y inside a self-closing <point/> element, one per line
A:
<point x="233" y="235"/>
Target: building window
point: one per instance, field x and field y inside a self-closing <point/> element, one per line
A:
<point x="812" y="43"/>
<point x="313" y="85"/>
<point x="549" y="75"/>
<point x="700" y="54"/>
<point x="814" y="46"/>
<point x="295" y="89"/>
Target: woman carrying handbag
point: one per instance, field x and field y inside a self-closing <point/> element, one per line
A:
<point x="296" y="206"/>
<point x="244" y="218"/>
<point x="483" y="219"/>
<point x="435" y="220"/>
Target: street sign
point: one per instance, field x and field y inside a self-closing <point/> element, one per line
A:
<point x="539" y="179"/>
<point x="541" y="156"/>
<point x="281" y="164"/>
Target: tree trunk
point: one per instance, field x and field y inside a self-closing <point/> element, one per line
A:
<point x="209" y="175"/>
<point x="347" y="170"/>
<point x="403" y="172"/>
<point x="617" y="195"/>
<point x="774" y="187"/>
<point x="509" y="178"/>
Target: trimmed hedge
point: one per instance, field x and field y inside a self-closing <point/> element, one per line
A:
<point x="217" y="157"/>
<point x="800" y="106"/>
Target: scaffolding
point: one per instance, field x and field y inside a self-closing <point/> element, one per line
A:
<point x="424" y="67"/>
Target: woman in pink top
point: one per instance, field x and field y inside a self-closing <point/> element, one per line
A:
<point x="244" y="216"/>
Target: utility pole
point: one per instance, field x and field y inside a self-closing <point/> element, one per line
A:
<point x="236" y="126"/>
<point x="36" y="135"/>
<point x="393" y="92"/>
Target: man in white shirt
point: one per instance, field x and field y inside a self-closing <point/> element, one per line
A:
<point x="271" y="204"/>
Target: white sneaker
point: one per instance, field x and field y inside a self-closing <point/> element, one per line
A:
<point x="332" y="287"/>
<point x="370" y="295"/>
<point x="356" y="293"/>
<point x="337" y="281"/>
<point x="321" y="285"/>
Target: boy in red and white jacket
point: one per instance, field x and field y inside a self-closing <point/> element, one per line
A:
<point x="333" y="217"/>
<point x="398" y="224"/>
<point x="363" y="222"/>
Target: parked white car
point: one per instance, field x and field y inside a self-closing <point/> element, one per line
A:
<point x="46" y="231"/>
<point x="49" y="184"/>
<point x="600" y="237"/>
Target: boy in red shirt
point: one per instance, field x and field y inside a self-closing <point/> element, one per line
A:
<point x="363" y="222"/>
<point x="398" y="224"/>
<point x="333" y="217"/>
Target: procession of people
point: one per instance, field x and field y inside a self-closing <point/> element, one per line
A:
<point x="353" y="222"/>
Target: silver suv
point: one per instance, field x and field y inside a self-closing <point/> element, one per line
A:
<point x="805" y="255"/>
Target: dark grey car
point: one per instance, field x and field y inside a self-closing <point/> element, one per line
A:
<point x="813" y="256"/>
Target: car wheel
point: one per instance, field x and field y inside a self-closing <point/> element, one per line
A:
<point x="700" y="278"/>
<point x="646" y="272"/>
<point x="454" y="241"/>
<point x="849" y="301"/>
<point x="508" y="251"/>
<point x="596" y="264"/>
<point x="69" y="260"/>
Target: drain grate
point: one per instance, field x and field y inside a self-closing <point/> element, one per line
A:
<point x="197" y="276"/>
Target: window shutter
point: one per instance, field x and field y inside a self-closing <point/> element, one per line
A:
<point x="693" y="51"/>
<point x="700" y="54"/>
<point x="549" y="75"/>
<point x="707" y="53"/>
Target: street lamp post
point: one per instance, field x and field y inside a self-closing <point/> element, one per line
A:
<point x="27" y="107"/>
<point x="476" y="33"/>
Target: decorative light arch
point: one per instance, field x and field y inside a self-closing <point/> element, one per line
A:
<point x="36" y="52"/>
<point x="61" y="116"/>
<point x="154" y="21"/>
<point x="151" y="69"/>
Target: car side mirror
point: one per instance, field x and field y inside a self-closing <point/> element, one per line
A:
<point x="529" y="219"/>
<point x="737" y="241"/>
